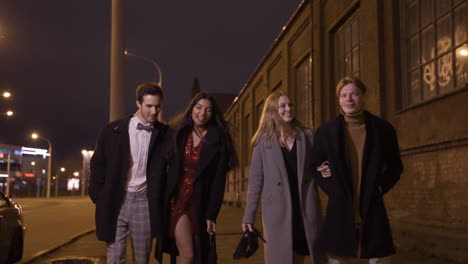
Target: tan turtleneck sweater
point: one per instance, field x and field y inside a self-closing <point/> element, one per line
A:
<point x="356" y="136"/>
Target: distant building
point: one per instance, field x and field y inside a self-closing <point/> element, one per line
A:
<point x="413" y="56"/>
<point x="28" y="170"/>
<point x="224" y="100"/>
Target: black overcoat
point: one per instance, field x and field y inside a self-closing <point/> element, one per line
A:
<point x="208" y="193"/>
<point x="109" y="175"/>
<point x="381" y="170"/>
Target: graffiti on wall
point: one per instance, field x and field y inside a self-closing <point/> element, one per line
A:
<point x="442" y="72"/>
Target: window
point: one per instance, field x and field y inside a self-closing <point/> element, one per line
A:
<point x="258" y="114"/>
<point x="235" y="133"/>
<point x="247" y="134"/>
<point x="347" y="49"/>
<point x="434" y="38"/>
<point x="303" y="102"/>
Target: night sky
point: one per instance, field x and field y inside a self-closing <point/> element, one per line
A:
<point x="55" y="60"/>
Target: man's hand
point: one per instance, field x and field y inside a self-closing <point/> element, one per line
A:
<point x="210" y="227"/>
<point x="325" y="170"/>
<point x="247" y="227"/>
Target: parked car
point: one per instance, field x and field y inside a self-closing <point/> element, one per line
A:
<point x="12" y="229"/>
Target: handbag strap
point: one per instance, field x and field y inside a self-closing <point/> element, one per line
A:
<point x="256" y="232"/>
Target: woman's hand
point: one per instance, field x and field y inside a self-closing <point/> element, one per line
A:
<point x="247" y="227"/>
<point x="210" y="227"/>
<point x="324" y="169"/>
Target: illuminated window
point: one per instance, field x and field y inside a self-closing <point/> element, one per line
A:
<point x="434" y="41"/>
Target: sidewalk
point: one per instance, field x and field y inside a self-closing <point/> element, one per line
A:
<point x="229" y="233"/>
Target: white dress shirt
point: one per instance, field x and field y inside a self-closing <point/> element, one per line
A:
<point x="139" y="145"/>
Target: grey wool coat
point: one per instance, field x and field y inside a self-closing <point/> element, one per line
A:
<point x="268" y="178"/>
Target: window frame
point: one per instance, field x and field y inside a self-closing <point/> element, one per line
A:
<point x="404" y="38"/>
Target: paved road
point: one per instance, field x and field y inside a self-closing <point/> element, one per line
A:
<point x="51" y="222"/>
<point x="227" y="238"/>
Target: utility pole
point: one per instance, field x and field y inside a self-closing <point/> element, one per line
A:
<point x="117" y="79"/>
<point x="8" y="175"/>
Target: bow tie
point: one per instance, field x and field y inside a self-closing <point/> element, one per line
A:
<point x="148" y="128"/>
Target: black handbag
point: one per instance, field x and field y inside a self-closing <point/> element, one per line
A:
<point x="212" y="255"/>
<point x="248" y="244"/>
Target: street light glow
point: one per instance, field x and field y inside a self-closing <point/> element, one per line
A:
<point x="9" y="113"/>
<point x="76" y="174"/>
<point x="6" y="94"/>
<point x="33" y="163"/>
<point x="49" y="162"/>
<point x="464" y="52"/>
<point x="62" y="169"/>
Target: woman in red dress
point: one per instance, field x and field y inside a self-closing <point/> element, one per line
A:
<point x="194" y="187"/>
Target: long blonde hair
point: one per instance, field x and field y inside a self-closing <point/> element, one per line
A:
<point x="271" y="124"/>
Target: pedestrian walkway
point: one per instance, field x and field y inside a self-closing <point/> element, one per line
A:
<point x="228" y="235"/>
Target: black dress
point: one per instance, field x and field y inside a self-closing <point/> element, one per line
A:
<point x="299" y="239"/>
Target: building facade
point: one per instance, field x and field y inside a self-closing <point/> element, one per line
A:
<point x="413" y="56"/>
<point x="24" y="169"/>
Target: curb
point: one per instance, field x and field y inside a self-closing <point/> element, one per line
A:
<point x="53" y="248"/>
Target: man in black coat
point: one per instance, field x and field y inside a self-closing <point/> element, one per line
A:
<point x="127" y="170"/>
<point x="358" y="161"/>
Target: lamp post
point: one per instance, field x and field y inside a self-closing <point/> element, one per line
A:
<point x="87" y="154"/>
<point x="8" y="175"/>
<point x="57" y="182"/>
<point x="117" y="61"/>
<point x="156" y="65"/>
<point x="158" y="70"/>
<point x="49" y="164"/>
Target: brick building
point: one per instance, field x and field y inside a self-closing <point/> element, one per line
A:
<point x="413" y="56"/>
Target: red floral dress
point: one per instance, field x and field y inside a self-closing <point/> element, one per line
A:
<point x="182" y="202"/>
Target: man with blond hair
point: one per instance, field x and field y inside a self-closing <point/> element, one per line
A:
<point x="357" y="161"/>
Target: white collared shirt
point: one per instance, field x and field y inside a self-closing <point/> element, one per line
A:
<point x="139" y="145"/>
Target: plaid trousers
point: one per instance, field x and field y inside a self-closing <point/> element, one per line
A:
<point x="134" y="219"/>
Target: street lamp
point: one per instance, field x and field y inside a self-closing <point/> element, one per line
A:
<point x="7" y="95"/>
<point x="49" y="164"/>
<point x="87" y="154"/>
<point x="158" y="69"/>
<point x="57" y="182"/>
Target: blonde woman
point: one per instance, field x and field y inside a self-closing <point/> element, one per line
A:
<point x="281" y="175"/>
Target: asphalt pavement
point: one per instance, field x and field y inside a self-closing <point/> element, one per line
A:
<point x="86" y="249"/>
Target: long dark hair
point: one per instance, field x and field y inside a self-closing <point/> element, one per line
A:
<point x="185" y="126"/>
